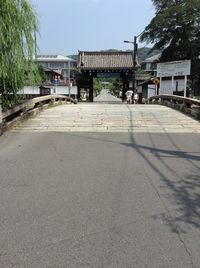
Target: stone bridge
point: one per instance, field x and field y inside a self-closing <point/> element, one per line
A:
<point x="102" y="117"/>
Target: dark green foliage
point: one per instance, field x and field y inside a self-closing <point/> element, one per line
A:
<point x="114" y="86"/>
<point x="40" y="74"/>
<point x="97" y="86"/>
<point x="36" y="76"/>
<point x="175" y="29"/>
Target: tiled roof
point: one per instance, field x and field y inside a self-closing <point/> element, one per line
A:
<point x="105" y="60"/>
<point x="57" y="72"/>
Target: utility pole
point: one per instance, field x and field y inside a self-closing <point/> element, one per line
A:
<point x="134" y="62"/>
<point x="135" y="46"/>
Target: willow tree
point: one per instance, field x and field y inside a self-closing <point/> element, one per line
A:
<point x="18" y="25"/>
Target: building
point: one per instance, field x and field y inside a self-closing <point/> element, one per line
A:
<point x="173" y="83"/>
<point x="150" y="64"/>
<point x="145" y="86"/>
<point x="60" y="80"/>
<point x="57" y="63"/>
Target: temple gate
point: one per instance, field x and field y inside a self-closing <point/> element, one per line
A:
<point x="101" y="64"/>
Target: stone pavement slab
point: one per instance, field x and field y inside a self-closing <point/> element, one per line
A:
<point x="92" y="117"/>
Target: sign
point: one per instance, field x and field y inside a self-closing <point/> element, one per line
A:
<point x="174" y="68"/>
<point x="108" y="75"/>
<point x="156" y="81"/>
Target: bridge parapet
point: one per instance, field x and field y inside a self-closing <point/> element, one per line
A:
<point x="187" y="105"/>
<point x="29" y="108"/>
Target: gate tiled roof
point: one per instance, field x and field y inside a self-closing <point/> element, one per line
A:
<point x="89" y="60"/>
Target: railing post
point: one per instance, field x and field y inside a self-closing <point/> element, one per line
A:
<point x="52" y="100"/>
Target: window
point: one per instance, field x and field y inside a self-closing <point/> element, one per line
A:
<point x="57" y="65"/>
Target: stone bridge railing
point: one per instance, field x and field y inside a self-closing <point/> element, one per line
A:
<point x="29" y="108"/>
<point x="187" y="105"/>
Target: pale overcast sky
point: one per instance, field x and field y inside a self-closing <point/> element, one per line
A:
<point x="67" y="26"/>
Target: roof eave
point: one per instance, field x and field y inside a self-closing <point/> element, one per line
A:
<point x="103" y="69"/>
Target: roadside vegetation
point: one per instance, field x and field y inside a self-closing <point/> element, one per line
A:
<point x="97" y="86"/>
<point x="115" y="86"/>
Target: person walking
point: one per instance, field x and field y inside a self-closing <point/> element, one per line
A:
<point x="135" y="97"/>
<point x="129" y="95"/>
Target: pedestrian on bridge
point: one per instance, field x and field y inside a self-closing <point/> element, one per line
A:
<point x="129" y="95"/>
<point x="135" y="97"/>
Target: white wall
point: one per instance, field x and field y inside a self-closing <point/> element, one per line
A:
<point x="64" y="90"/>
<point x="30" y="90"/>
<point x="150" y="91"/>
<point x="54" y="90"/>
<point x="166" y="86"/>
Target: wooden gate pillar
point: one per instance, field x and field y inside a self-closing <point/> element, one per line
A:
<point x="91" y="89"/>
<point x="78" y="92"/>
<point x="125" y="88"/>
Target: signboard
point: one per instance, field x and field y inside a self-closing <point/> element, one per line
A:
<point x="108" y="75"/>
<point x="174" y="68"/>
<point x="156" y="81"/>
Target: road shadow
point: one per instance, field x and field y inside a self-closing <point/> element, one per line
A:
<point x="186" y="195"/>
<point x="182" y="205"/>
<point x="184" y="190"/>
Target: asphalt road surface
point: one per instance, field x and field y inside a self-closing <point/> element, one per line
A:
<point x="102" y="186"/>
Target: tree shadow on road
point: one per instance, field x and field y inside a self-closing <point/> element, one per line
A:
<point x="182" y="209"/>
<point x="186" y="196"/>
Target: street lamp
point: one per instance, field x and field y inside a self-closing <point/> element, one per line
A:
<point x="134" y="59"/>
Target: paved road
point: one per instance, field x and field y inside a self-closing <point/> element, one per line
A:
<point x="105" y="96"/>
<point x="124" y="196"/>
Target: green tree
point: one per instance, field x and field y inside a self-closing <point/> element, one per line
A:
<point x="175" y="29"/>
<point x="97" y="86"/>
<point x="114" y="86"/>
<point x="18" y="25"/>
<point x="37" y="76"/>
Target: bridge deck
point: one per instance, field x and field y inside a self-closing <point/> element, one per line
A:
<point x="96" y="117"/>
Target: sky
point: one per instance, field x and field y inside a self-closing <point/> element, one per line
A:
<point x="67" y="26"/>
